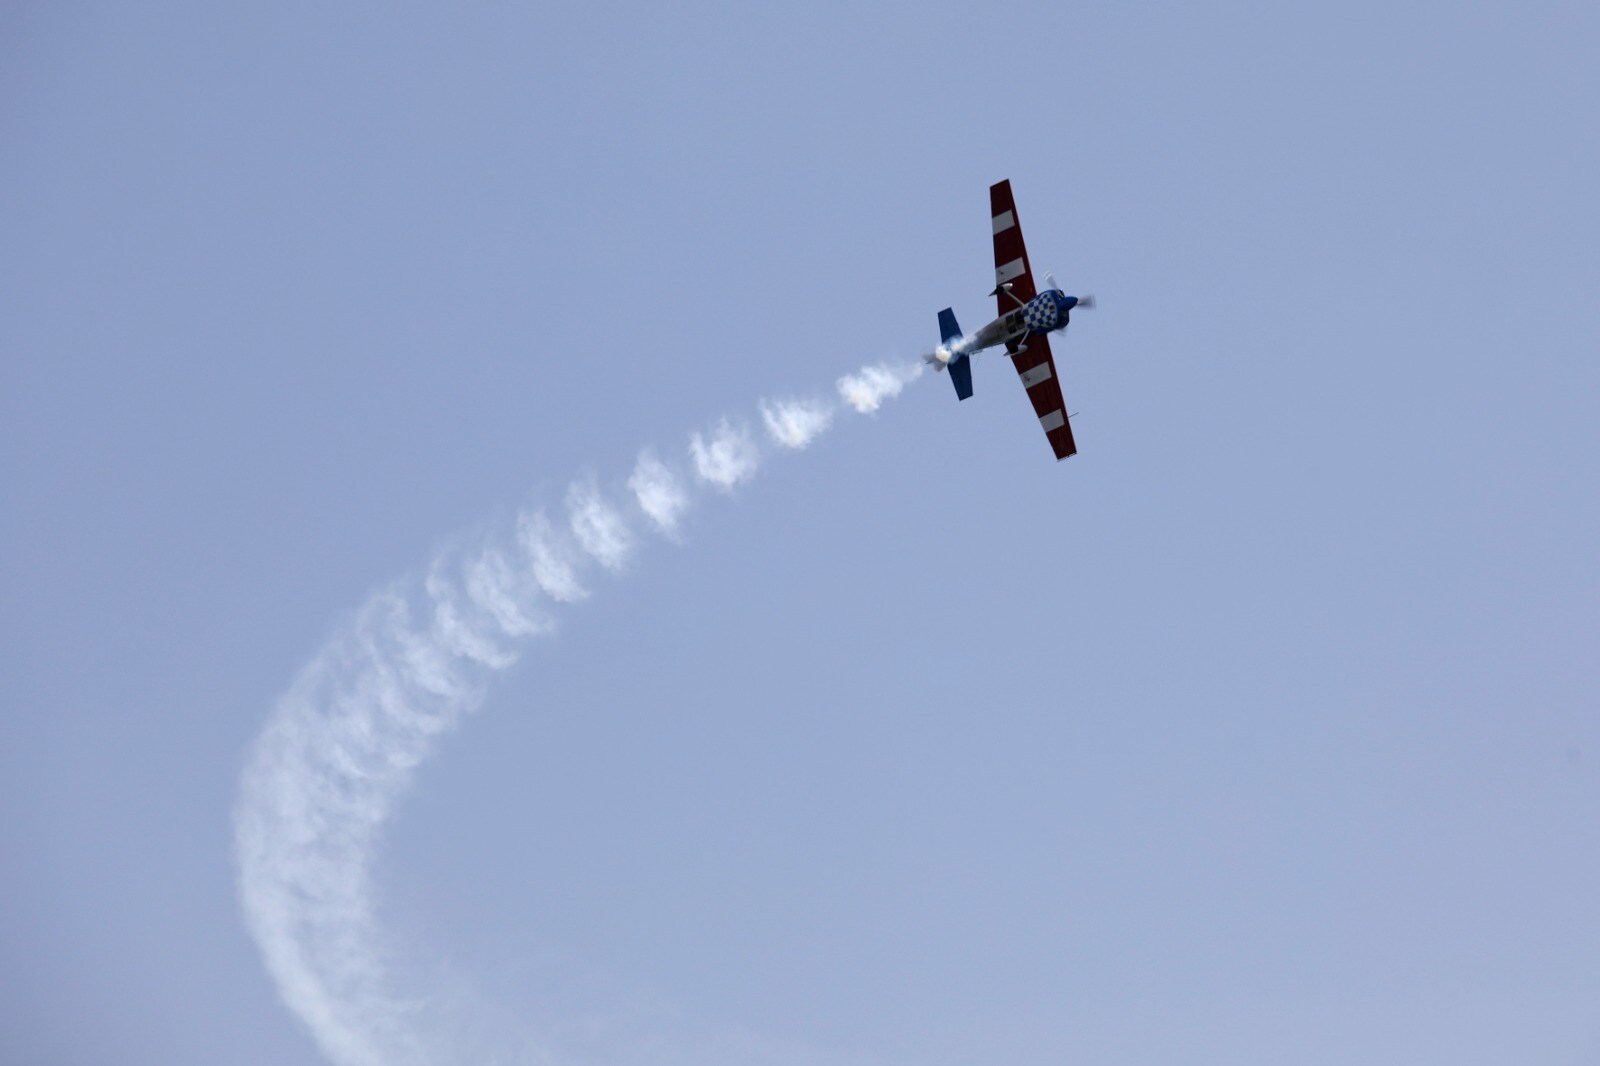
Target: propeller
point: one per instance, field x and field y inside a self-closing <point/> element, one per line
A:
<point x="1086" y="300"/>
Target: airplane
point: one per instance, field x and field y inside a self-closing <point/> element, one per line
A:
<point x="1027" y="318"/>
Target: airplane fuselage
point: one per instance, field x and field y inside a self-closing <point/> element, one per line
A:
<point x="1045" y="313"/>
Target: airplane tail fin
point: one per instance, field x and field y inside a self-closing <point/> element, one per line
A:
<point x="960" y="366"/>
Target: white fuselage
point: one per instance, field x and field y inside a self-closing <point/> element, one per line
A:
<point x="1005" y="328"/>
<point x="1042" y="314"/>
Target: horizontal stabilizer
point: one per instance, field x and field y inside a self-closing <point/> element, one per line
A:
<point x="948" y="330"/>
<point x="959" y="365"/>
<point x="961" y="376"/>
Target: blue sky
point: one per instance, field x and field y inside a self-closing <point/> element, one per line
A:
<point x="1263" y="729"/>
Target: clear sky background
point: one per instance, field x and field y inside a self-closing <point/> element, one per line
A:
<point x="1264" y="730"/>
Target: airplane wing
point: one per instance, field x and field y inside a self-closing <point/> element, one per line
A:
<point x="1038" y="372"/>
<point x="1010" y="257"/>
<point x="1036" y="366"/>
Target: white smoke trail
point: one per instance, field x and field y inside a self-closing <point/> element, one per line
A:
<point x="796" y="423"/>
<point x="342" y="743"/>
<point x="322" y="779"/>
<point x="869" y="387"/>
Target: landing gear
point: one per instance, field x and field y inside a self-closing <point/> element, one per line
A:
<point x="1006" y="289"/>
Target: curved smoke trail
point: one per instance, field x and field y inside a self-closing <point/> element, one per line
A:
<point x="344" y="740"/>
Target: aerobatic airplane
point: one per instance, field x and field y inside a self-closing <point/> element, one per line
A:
<point x="1027" y="318"/>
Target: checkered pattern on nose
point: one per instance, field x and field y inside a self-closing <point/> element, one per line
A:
<point x="1040" y="314"/>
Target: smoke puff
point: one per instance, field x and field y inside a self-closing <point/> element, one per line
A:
<point x="509" y="596"/>
<point x="599" y="527"/>
<point x="661" y="495"/>
<point x="866" y="389"/>
<point x="549" y="558"/>
<point x="459" y="628"/>
<point x="726" y="457"/>
<point x="796" y="423"/>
